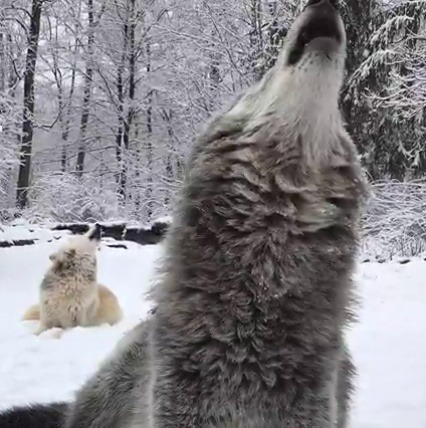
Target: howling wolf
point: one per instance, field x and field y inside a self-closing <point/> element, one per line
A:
<point x="69" y="293"/>
<point x="256" y="288"/>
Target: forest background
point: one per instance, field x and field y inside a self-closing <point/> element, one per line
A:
<point x="101" y="100"/>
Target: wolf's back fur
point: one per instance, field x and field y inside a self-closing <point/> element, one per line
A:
<point x="256" y="288"/>
<point x="108" y="310"/>
<point x="32" y="313"/>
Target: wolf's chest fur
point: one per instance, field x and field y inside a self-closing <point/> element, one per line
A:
<point x="259" y="277"/>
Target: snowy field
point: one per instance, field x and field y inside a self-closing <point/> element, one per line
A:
<point x="389" y="343"/>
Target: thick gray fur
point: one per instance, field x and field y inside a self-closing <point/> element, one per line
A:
<point x="256" y="288"/>
<point x="108" y="399"/>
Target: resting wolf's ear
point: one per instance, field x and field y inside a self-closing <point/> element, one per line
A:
<point x="52" y="257"/>
<point x="96" y="233"/>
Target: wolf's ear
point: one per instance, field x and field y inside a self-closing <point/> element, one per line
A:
<point x="96" y="233"/>
<point x="52" y="257"/>
<point x="71" y="252"/>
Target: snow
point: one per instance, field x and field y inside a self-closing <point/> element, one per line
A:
<point x="19" y="231"/>
<point x="168" y="219"/>
<point x="42" y="369"/>
<point x="389" y="342"/>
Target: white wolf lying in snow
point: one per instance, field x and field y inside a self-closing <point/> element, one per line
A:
<point x="70" y="295"/>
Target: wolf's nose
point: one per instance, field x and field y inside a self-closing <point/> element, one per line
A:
<point x="334" y="3"/>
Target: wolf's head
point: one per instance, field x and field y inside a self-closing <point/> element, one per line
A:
<point x="317" y="37"/>
<point x="309" y="71"/>
<point x="78" y="254"/>
<point x="314" y="54"/>
<point x="302" y="90"/>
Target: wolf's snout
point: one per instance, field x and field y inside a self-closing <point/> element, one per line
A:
<point x="322" y="21"/>
<point x="319" y="29"/>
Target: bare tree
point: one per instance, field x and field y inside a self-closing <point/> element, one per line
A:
<point x="122" y="87"/>
<point x="29" y="104"/>
<point x="88" y="81"/>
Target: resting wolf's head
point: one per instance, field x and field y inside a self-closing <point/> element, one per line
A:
<point x="78" y="255"/>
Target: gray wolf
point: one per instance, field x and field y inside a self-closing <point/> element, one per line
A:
<point x="256" y="287"/>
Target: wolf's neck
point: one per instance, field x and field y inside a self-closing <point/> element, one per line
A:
<point x="304" y="103"/>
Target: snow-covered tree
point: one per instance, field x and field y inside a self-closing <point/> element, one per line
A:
<point x="387" y="92"/>
<point x="123" y="87"/>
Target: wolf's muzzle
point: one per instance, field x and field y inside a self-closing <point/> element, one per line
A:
<point x="321" y="20"/>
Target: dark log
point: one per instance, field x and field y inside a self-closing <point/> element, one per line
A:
<point x="74" y="228"/>
<point x="17" y="243"/>
<point x="120" y="232"/>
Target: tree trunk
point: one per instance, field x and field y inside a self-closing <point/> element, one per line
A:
<point x="256" y="37"/>
<point x="119" y="132"/>
<point x="29" y="104"/>
<point x="149" y="190"/>
<point x="65" y="117"/>
<point x="137" y="191"/>
<point x="167" y="117"/>
<point x="132" y="92"/>
<point x="121" y="182"/>
<point x="88" y="80"/>
<point x="2" y="59"/>
<point x="66" y="124"/>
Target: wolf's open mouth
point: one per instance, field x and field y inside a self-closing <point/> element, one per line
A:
<point x="325" y="26"/>
<point x="319" y="25"/>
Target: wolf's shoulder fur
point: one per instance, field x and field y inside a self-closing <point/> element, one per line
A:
<point x="122" y="375"/>
<point x="108" y="310"/>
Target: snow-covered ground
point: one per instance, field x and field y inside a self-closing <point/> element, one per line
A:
<point x="389" y="343"/>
